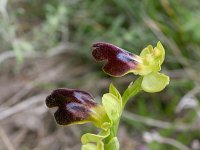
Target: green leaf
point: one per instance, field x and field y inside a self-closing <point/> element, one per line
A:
<point x="113" y="90"/>
<point x="132" y="90"/>
<point x="89" y="137"/>
<point x="154" y="82"/>
<point x="113" y="144"/>
<point x="112" y="106"/>
<point x="89" y="146"/>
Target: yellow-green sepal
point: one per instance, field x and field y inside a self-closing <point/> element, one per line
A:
<point x="153" y="54"/>
<point x="89" y="146"/>
<point x="100" y="145"/>
<point x="159" y="52"/>
<point x="152" y="59"/>
<point x="92" y="146"/>
<point x="112" y="105"/>
<point x="154" y="82"/>
<point x="89" y="137"/>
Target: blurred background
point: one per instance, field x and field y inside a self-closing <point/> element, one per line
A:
<point x="46" y="44"/>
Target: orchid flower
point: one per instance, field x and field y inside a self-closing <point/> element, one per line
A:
<point x="121" y="62"/>
<point x="75" y="107"/>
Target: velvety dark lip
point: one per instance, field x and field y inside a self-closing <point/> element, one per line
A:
<point x="118" y="61"/>
<point x="73" y="105"/>
<point x="98" y="45"/>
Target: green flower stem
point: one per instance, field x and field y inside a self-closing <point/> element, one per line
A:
<point x="132" y="90"/>
<point x="113" y="132"/>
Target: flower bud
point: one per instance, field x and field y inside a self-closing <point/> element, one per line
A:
<point x="74" y="107"/>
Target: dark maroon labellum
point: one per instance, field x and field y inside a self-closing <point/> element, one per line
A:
<point x="73" y="105"/>
<point x="119" y="60"/>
